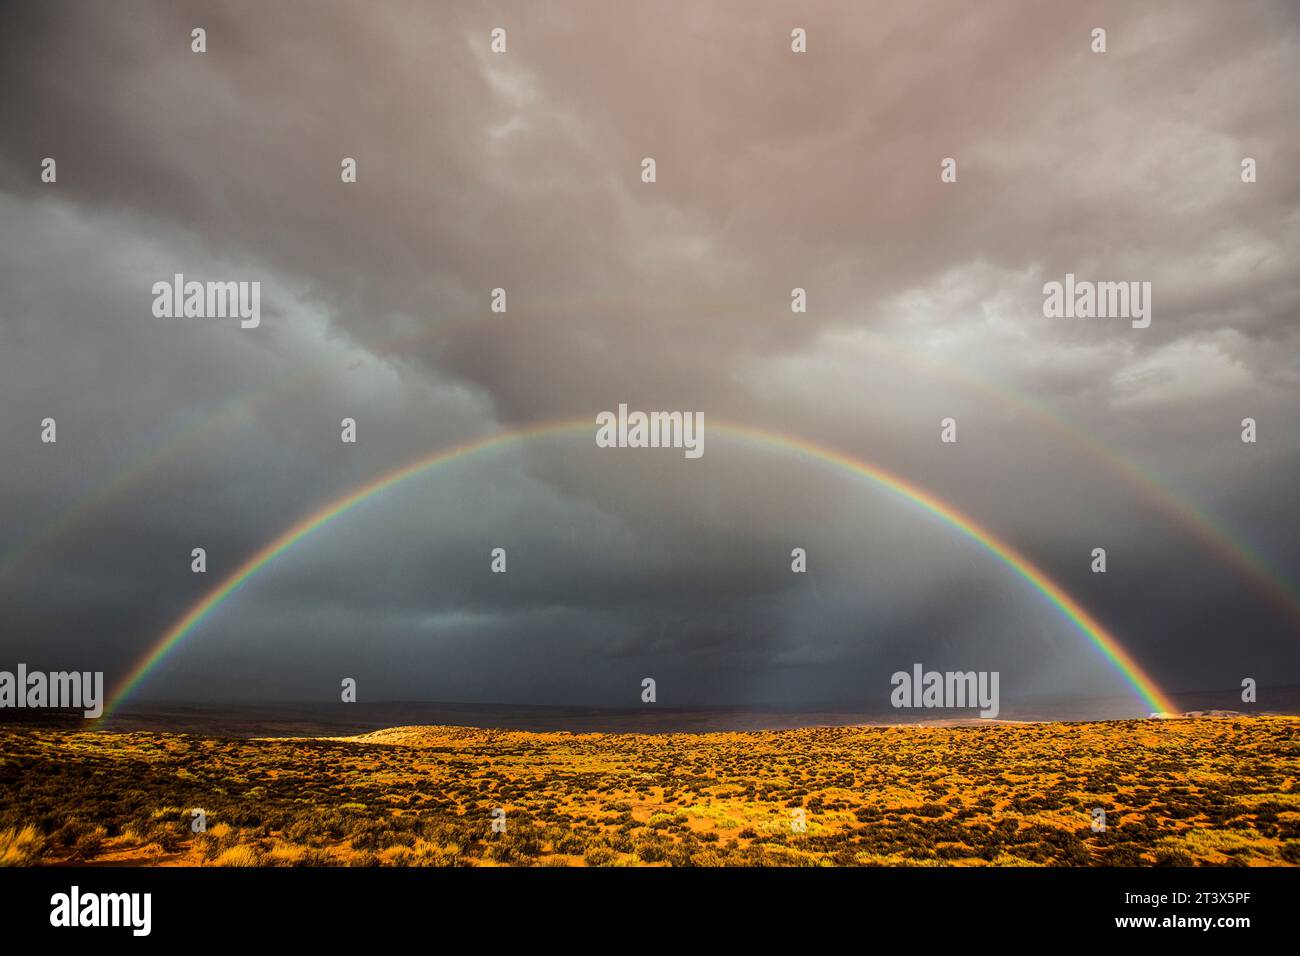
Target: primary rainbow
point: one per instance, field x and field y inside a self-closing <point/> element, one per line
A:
<point x="1105" y="642"/>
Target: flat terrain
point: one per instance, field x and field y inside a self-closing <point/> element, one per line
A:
<point x="1210" y="790"/>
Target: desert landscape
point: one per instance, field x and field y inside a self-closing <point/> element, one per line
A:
<point x="1210" y="790"/>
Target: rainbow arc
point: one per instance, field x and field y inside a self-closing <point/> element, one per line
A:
<point x="1105" y="643"/>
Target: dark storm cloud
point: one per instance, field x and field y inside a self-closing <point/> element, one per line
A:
<point x="522" y="171"/>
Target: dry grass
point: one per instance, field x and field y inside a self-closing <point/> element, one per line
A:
<point x="1213" y="791"/>
<point x="238" y="856"/>
<point x="20" y="846"/>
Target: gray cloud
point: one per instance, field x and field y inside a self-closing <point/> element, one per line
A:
<point x="522" y="171"/>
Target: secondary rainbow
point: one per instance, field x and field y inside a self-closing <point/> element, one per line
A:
<point x="1233" y="549"/>
<point x="1153" y="698"/>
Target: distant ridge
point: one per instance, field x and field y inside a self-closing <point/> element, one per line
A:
<point x="337" y="719"/>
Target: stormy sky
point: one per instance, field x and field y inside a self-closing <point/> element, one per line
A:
<point x="522" y="170"/>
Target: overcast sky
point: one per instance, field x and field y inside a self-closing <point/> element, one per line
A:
<point x="522" y="170"/>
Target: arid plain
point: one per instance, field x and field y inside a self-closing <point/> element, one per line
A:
<point x="1205" y="791"/>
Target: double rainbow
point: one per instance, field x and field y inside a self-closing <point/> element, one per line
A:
<point x="1220" y="540"/>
